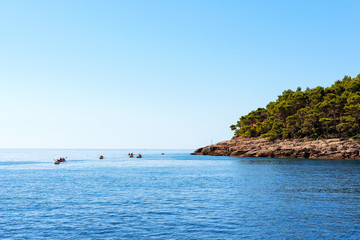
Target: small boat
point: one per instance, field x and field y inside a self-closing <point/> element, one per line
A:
<point x="61" y="160"/>
<point x="56" y="162"/>
<point x="139" y="156"/>
<point x="101" y="157"/>
<point x="131" y="155"/>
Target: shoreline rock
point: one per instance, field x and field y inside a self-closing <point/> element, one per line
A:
<point x="334" y="148"/>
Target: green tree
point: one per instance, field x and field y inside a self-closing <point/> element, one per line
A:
<point x="316" y="113"/>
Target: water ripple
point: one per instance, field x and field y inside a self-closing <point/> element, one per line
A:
<point x="175" y="196"/>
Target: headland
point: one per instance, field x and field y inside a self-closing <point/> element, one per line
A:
<point x="315" y="123"/>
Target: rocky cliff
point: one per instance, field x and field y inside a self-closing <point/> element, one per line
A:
<point x="291" y="148"/>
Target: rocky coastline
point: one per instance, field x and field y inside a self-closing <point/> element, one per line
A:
<point x="335" y="148"/>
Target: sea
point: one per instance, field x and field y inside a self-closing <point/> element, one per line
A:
<point x="175" y="196"/>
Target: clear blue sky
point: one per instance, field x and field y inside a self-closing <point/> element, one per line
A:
<point x="160" y="74"/>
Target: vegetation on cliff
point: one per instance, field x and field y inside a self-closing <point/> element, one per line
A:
<point x="315" y="113"/>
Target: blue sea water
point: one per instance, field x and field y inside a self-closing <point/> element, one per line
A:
<point x="175" y="196"/>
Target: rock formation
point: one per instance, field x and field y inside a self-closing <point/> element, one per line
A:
<point x="335" y="148"/>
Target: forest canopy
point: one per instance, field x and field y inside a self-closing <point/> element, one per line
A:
<point x="315" y="113"/>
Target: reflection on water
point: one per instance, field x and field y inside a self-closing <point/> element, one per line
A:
<point x="175" y="196"/>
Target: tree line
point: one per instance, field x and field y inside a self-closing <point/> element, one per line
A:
<point x="315" y="113"/>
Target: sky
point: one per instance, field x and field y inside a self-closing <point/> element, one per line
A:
<point x="160" y="74"/>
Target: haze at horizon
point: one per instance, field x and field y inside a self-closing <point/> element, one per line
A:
<point x="160" y="74"/>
